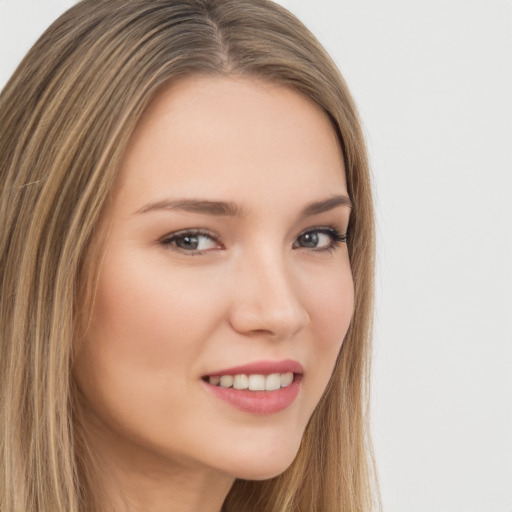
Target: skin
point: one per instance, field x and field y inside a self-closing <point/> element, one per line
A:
<point x="166" y="316"/>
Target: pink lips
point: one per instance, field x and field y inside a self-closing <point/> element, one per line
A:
<point x="263" y="368"/>
<point x="260" y="402"/>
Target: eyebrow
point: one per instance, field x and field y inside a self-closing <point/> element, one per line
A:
<point x="217" y="208"/>
<point x="232" y="209"/>
<point x="325" y="205"/>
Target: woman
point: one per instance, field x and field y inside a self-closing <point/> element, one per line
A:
<point x="186" y="266"/>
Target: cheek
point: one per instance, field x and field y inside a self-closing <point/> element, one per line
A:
<point x="146" y="309"/>
<point x="331" y="304"/>
<point x="140" y="354"/>
<point x="147" y="330"/>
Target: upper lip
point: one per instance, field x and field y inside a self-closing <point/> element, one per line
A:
<point x="261" y="368"/>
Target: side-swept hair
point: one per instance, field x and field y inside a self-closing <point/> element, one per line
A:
<point x="66" y="116"/>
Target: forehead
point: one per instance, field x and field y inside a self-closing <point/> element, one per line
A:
<point x="223" y="135"/>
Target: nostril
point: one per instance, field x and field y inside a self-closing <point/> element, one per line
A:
<point x="277" y="320"/>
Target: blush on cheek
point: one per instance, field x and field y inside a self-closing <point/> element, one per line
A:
<point x="331" y="308"/>
<point x="152" y="313"/>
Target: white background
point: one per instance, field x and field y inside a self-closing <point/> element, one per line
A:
<point x="433" y="80"/>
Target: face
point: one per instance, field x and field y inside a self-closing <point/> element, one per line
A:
<point x="225" y="267"/>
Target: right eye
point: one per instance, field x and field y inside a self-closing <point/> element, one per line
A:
<point x="191" y="241"/>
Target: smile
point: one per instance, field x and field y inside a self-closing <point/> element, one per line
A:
<point x="254" y="382"/>
<point x="265" y="387"/>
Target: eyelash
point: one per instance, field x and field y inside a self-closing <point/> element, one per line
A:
<point x="337" y="238"/>
<point x="169" y="241"/>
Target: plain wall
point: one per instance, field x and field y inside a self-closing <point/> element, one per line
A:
<point x="433" y="81"/>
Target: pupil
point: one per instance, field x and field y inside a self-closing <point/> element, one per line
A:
<point x="310" y="239"/>
<point x="188" y="242"/>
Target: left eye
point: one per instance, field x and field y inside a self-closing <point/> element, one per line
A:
<point x="191" y="242"/>
<point x="319" y="239"/>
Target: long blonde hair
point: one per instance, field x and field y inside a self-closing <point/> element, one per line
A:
<point x="66" y="116"/>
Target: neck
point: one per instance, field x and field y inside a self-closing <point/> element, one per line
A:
<point x="178" y="490"/>
<point x="131" y="480"/>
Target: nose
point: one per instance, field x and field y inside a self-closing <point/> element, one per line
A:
<point x="268" y="299"/>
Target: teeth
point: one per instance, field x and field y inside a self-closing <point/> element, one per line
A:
<point x="215" y="380"/>
<point x="255" y="382"/>
<point x="286" y="379"/>
<point x="226" y="381"/>
<point x="273" y="382"/>
<point x="240" y="382"/>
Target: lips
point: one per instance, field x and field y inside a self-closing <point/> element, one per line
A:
<point x="263" y="387"/>
<point x="262" y="367"/>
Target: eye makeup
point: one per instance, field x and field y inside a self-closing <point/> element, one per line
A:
<point x="199" y="241"/>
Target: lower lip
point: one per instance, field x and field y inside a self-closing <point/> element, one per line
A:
<point x="258" y="402"/>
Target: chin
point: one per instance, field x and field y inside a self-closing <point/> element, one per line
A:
<point x="267" y="464"/>
<point x="265" y="473"/>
